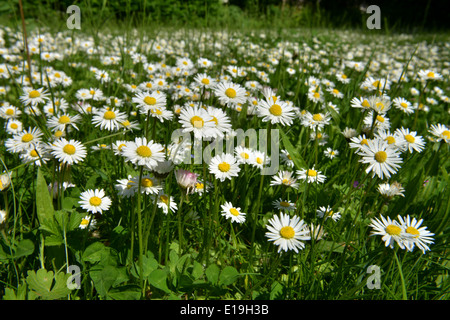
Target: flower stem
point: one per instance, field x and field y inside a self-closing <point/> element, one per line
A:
<point x="404" y="295"/>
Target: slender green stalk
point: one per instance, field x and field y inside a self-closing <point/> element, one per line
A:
<point x="404" y="294"/>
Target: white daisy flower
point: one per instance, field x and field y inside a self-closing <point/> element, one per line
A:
<point x="95" y="201"/>
<point x="143" y="153"/>
<point x="429" y="75"/>
<point x="229" y="93"/>
<point x="411" y="141"/>
<point x="311" y="175"/>
<point x="68" y="152"/>
<point x="390" y="230"/>
<point x="275" y="111"/>
<point x="149" y="100"/>
<point x="403" y="105"/>
<point x="281" y="204"/>
<point x="60" y="123"/>
<point x="389" y="190"/>
<point x="284" y="178"/>
<point x="416" y="235"/>
<point x="33" y="97"/>
<point x="327" y="212"/>
<point x="197" y="120"/>
<point x="232" y="213"/>
<point x="287" y="233"/>
<point x="440" y="132"/>
<point x="166" y="203"/>
<point x="224" y="166"/>
<point x="383" y="159"/>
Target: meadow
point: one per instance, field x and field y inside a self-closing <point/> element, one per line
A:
<point x="108" y="193"/>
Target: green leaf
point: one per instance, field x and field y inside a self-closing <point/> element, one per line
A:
<point x="44" y="202"/>
<point x="104" y="278"/>
<point x="158" y="279"/>
<point x="228" y="276"/>
<point x="276" y="290"/>
<point x="299" y="162"/>
<point x="212" y="273"/>
<point x="24" y="248"/>
<point x="98" y="252"/>
<point x="127" y="292"/>
<point x="41" y="283"/>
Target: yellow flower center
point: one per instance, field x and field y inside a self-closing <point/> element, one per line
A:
<point x="284" y="204"/>
<point x="109" y="115"/>
<point x="69" y="149"/>
<point x="259" y="160"/>
<point x="287" y="232"/>
<point x="410" y="138"/>
<point x="164" y="199"/>
<point x="276" y="110"/>
<point x="197" y="122"/>
<point x="376" y="84"/>
<point x="230" y="93"/>
<point x="312" y="173"/>
<point x="234" y="212"/>
<point x="205" y="81"/>
<point x="363" y="141"/>
<point x="381" y="156"/>
<point x="150" y="100"/>
<point x="224" y="167"/>
<point x="95" y="201"/>
<point x="9" y="112"/>
<point x="335" y="91"/>
<point x="393" y="230"/>
<point x="413" y="231"/>
<point x="317" y="117"/>
<point x="199" y="185"/>
<point x="64" y="119"/>
<point x="446" y="134"/>
<point x="144" y="151"/>
<point x="404" y="105"/>
<point x="365" y="104"/>
<point x="380" y="119"/>
<point x="430" y="74"/>
<point x="34" y="94"/>
<point x="27" y="137"/>
<point x="34" y="154"/>
<point x="14" y="126"/>
<point x="147" y="183"/>
<point x="245" y="155"/>
<point x="390" y="140"/>
<point x="316" y="95"/>
<point x="58" y="133"/>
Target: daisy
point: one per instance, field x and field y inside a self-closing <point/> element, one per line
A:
<point x="331" y="153"/>
<point x="286" y="158"/>
<point x="95" y="201"/>
<point x="108" y="118"/>
<point x="394" y="139"/>
<point x="327" y="212"/>
<point x="32" y="97"/>
<point x="281" y="204"/>
<point x="429" y="75"/>
<point x="149" y="100"/>
<point x="390" y="190"/>
<point x="232" y="213"/>
<point x="383" y="159"/>
<point x="62" y="122"/>
<point x="224" y="166"/>
<point x="258" y="159"/>
<point x="275" y="111"/>
<point x="382" y="122"/>
<point x="243" y="154"/>
<point x="13" y="126"/>
<point x="411" y="141"/>
<point x="316" y="120"/>
<point x="204" y="81"/>
<point x="221" y="121"/>
<point x="284" y="178"/>
<point x="287" y="233"/>
<point x="403" y="104"/>
<point x="390" y="230"/>
<point x="198" y="121"/>
<point x="417" y="236"/>
<point x="36" y="154"/>
<point x="360" y="103"/>
<point x="8" y="111"/>
<point x="311" y="175"/>
<point x="24" y="140"/>
<point x="440" y="132"/>
<point x="148" y="184"/>
<point x="380" y="104"/>
<point x="88" y="221"/>
<point x="68" y="152"/>
<point x="143" y="153"/>
<point x="166" y="203"/>
<point x="229" y="93"/>
<point x="126" y="187"/>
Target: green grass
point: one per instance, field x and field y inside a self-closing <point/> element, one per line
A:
<point x="137" y="252"/>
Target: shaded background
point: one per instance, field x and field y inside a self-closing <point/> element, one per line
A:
<point x="397" y="15"/>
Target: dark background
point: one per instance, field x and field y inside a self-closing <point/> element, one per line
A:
<point x="397" y="15"/>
